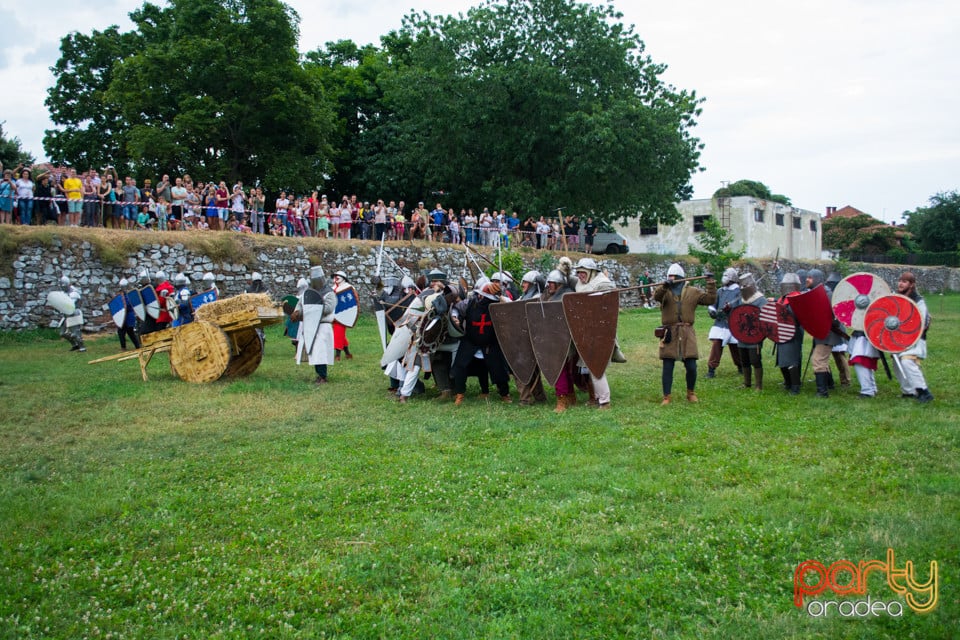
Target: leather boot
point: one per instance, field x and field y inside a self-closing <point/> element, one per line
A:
<point x="459" y="400"/>
<point x="444" y="395"/>
<point x="794" y="381"/>
<point x="691" y="396"/>
<point x="666" y="400"/>
<point x="924" y="395"/>
<point x="822" y="384"/>
<point x="786" y="378"/>
<point x="593" y="396"/>
<point x="747" y="377"/>
<point x="572" y="399"/>
<point x="831" y="385"/>
<point x="759" y="379"/>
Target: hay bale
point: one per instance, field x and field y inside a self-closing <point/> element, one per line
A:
<point x="245" y="302"/>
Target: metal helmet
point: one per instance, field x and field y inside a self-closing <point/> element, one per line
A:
<point x="790" y="283"/>
<point x="833" y="279"/>
<point x="184" y="295"/>
<point x="587" y="264"/>
<point x="816" y="276"/>
<point x="676" y="270"/>
<point x="407" y="283"/>
<point x="181" y="280"/>
<point x="748" y="286"/>
<point x="556" y="277"/>
<point x="124" y="282"/>
<point x="802" y="274"/>
<point x="530" y="276"/>
<point x="256" y="275"/>
<point x="342" y="275"/>
<point x="64" y="281"/>
<point x="144" y="276"/>
<point x="501" y="276"/>
<point x="481" y="282"/>
<point x="729" y="276"/>
<point x="436" y="275"/>
<point x="317" y="278"/>
<point x="160" y="275"/>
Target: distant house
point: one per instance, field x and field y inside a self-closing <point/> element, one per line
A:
<point x="761" y="227"/>
<point x="852" y="231"/>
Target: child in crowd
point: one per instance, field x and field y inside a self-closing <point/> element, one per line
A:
<point x="143" y="220"/>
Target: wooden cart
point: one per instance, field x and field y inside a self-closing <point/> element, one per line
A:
<point x="228" y="346"/>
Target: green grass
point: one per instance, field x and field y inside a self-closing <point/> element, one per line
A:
<point x="266" y="507"/>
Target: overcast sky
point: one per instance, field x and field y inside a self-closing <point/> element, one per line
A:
<point x="829" y="103"/>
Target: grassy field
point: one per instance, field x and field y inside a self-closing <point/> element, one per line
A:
<point x="268" y="507"/>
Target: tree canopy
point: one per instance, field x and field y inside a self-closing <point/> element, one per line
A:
<point x="862" y="234"/>
<point x="937" y="227"/>
<point x="753" y="189"/>
<point x="534" y="105"/>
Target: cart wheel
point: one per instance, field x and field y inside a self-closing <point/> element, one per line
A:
<point x="200" y="352"/>
<point x="247" y="353"/>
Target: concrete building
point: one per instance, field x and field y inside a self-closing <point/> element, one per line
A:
<point x="759" y="226"/>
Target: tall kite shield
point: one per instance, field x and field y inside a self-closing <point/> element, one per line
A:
<point x="348" y="309"/>
<point x="118" y="310"/>
<point x="813" y="312"/>
<point x="592" y="318"/>
<point x="202" y="298"/>
<point x="893" y="323"/>
<point x="745" y="324"/>
<point x="398" y="346"/>
<point x="150" y="301"/>
<point x="549" y="337"/>
<point x="853" y="295"/>
<point x="136" y="302"/>
<point x="777" y="322"/>
<point x="513" y="334"/>
<point x="312" y="314"/>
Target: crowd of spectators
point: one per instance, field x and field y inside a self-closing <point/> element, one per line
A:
<point x="49" y="194"/>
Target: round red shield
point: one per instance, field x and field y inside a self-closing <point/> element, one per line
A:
<point x="777" y="321"/>
<point x="745" y="324"/>
<point x="853" y="295"/>
<point x="893" y="323"/>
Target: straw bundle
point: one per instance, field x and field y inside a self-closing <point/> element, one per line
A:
<point x="245" y="302"/>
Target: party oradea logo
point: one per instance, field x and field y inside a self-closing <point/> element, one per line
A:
<point x="885" y="586"/>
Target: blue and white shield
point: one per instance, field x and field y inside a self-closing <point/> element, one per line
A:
<point x="136" y="303"/>
<point x="202" y="298"/>
<point x="150" y="301"/>
<point x="118" y="309"/>
<point x="348" y="309"/>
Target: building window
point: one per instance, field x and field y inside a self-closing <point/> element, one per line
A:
<point x="699" y="223"/>
<point x="813" y="226"/>
<point x="758" y="215"/>
<point x="796" y="222"/>
<point x="648" y="231"/>
<point x="779" y="219"/>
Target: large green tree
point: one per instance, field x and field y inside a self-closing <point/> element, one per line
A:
<point x="537" y="105"/>
<point x="862" y="234"/>
<point x="937" y="227"/>
<point x="211" y="87"/>
<point x="92" y="129"/>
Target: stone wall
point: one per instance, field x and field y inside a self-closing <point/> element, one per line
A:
<point x="35" y="270"/>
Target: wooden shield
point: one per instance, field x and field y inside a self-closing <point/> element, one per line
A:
<point x="136" y="302"/>
<point x="149" y="296"/>
<point x="812" y="310"/>
<point x="853" y="295"/>
<point x="202" y="298"/>
<point x="118" y="310"/>
<point x="513" y="334"/>
<point x="290" y="304"/>
<point x="549" y="337"/>
<point x="893" y="323"/>
<point x="745" y="324"/>
<point x="592" y="318"/>
<point x="62" y="302"/>
<point x="348" y="308"/>
<point x="777" y="322"/>
<point x="312" y="313"/>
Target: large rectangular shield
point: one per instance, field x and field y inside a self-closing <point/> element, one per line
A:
<point x="549" y="337"/>
<point x="312" y="314"/>
<point x="348" y="309"/>
<point x="202" y="298"/>
<point x="592" y="319"/>
<point x="136" y="303"/>
<point x="150" y="301"/>
<point x="118" y="310"/>
<point x="510" y="324"/>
